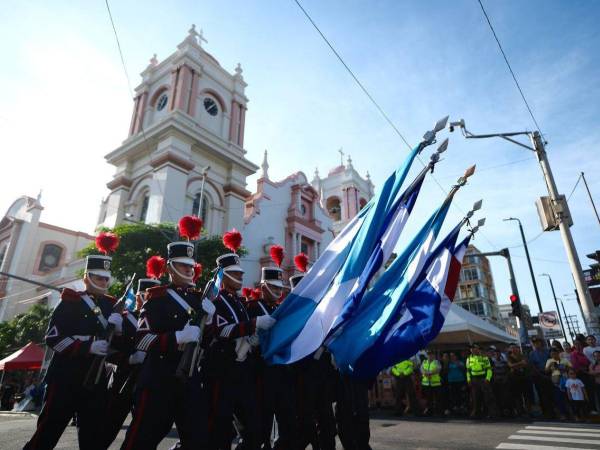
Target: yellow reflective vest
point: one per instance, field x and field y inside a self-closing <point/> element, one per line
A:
<point x="478" y="366"/>
<point x="431" y="373"/>
<point x="403" y="368"/>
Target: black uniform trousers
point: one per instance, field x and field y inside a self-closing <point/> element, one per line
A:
<point x="352" y="414"/>
<point x="61" y="402"/>
<point x="278" y="401"/>
<point x="118" y="405"/>
<point x="234" y="391"/>
<point x="156" y="408"/>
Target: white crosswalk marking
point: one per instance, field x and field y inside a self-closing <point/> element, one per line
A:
<point x="550" y="437"/>
<point x="511" y="446"/>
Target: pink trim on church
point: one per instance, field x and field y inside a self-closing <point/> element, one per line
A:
<point x="242" y="123"/>
<point x="193" y="93"/>
<point x="234" y="124"/>
<point x="183" y="88"/>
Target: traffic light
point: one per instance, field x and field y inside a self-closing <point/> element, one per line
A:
<point x="515" y="302"/>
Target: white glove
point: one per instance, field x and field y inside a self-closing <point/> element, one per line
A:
<point x="242" y="348"/>
<point x="253" y="340"/>
<point x="99" y="347"/>
<point x="117" y="320"/>
<point x="265" y="322"/>
<point x="137" y="358"/>
<point x="209" y="308"/>
<point x="190" y="333"/>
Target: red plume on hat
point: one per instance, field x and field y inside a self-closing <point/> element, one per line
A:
<point x="246" y="292"/>
<point x="301" y="262"/>
<point x="256" y="294"/>
<point x="232" y="240"/>
<point x="277" y="254"/>
<point x="155" y="267"/>
<point x="190" y="227"/>
<point x="197" y="271"/>
<point x="107" y="242"/>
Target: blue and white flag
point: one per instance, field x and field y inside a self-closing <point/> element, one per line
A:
<point x="326" y="294"/>
<point x="380" y="303"/>
<point x="130" y="300"/>
<point x="423" y="311"/>
<point x="217" y="281"/>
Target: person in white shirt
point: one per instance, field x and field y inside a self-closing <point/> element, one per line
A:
<point x="577" y="395"/>
<point x="591" y="347"/>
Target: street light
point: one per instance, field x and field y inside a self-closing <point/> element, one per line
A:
<point x="559" y="209"/>
<point x="537" y="294"/>
<point x="561" y="320"/>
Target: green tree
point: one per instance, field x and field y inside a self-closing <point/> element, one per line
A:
<point x="24" y="328"/>
<point x="138" y="242"/>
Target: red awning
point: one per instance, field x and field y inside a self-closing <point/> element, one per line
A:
<point x="29" y="357"/>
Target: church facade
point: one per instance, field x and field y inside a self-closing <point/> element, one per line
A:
<point x="185" y="155"/>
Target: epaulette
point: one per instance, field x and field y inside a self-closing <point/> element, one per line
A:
<point x="70" y="295"/>
<point x="156" y="291"/>
<point x="112" y="299"/>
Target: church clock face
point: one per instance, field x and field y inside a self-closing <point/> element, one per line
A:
<point x="211" y="106"/>
<point x="162" y="102"/>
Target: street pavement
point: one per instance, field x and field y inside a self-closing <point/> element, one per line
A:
<point x="390" y="433"/>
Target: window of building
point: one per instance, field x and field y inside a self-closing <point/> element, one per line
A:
<point x="144" y="208"/>
<point x="334" y="208"/>
<point x="162" y="102"/>
<point x="303" y="209"/>
<point x="477" y="308"/>
<point x="196" y="207"/>
<point x="470" y="291"/>
<point x="211" y="106"/>
<point x="470" y="274"/>
<point x="50" y="259"/>
<point x="2" y="253"/>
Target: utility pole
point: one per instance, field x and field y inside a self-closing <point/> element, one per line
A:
<point x="590" y="196"/>
<point x="560" y="320"/>
<point x="559" y="209"/>
<point x="568" y="324"/>
<point x="523" y="336"/>
<point x="537" y="294"/>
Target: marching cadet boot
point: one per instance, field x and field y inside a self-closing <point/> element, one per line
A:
<point x="72" y="331"/>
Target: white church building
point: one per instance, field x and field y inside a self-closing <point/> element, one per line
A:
<point x="187" y="136"/>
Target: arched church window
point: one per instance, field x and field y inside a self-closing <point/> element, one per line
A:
<point x="162" y="102"/>
<point x="144" y="208"/>
<point x="50" y="259"/>
<point x="334" y="208"/>
<point x="211" y="107"/>
<point x="203" y="214"/>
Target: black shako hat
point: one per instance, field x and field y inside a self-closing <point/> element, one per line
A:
<point x="181" y="252"/>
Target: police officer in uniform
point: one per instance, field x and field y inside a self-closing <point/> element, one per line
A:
<point x="227" y="366"/>
<point x="405" y="387"/>
<point x="277" y="383"/>
<point x="479" y="375"/>
<point x="72" y="331"/>
<point x="161" y="398"/>
<point x="125" y="368"/>
<point x="431" y="381"/>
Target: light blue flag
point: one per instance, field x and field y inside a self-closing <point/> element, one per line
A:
<point x="380" y="303"/>
<point x="311" y="311"/>
<point x="130" y="300"/>
<point x="422" y="314"/>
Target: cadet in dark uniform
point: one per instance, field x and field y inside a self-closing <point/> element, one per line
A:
<point x="352" y="413"/>
<point x="122" y="378"/>
<point x="76" y="321"/>
<point x="276" y="382"/>
<point x="161" y="398"/>
<point x="228" y="370"/>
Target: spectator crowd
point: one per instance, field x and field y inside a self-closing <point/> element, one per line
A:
<point x="557" y="382"/>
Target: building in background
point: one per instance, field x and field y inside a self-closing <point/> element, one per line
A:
<point x="510" y="322"/>
<point x="37" y="250"/>
<point x="187" y="127"/>
<point x="186" y="137"/>
<point x="476" y="292"/>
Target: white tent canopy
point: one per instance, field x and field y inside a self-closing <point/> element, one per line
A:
<point x="463" y="327"/>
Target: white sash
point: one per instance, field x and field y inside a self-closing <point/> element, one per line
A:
<point x="95" y="309"/>
<point x="179" y="299"/>
<point x="133" y="320"/>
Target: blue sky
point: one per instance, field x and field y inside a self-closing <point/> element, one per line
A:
<point x="66" y="102"/>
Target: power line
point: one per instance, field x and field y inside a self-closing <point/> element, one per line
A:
<point x="510" y="163"/>
<point x="112" y="22"/>
<point x="379" y="108"/>
<point x="510" y="68"/>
